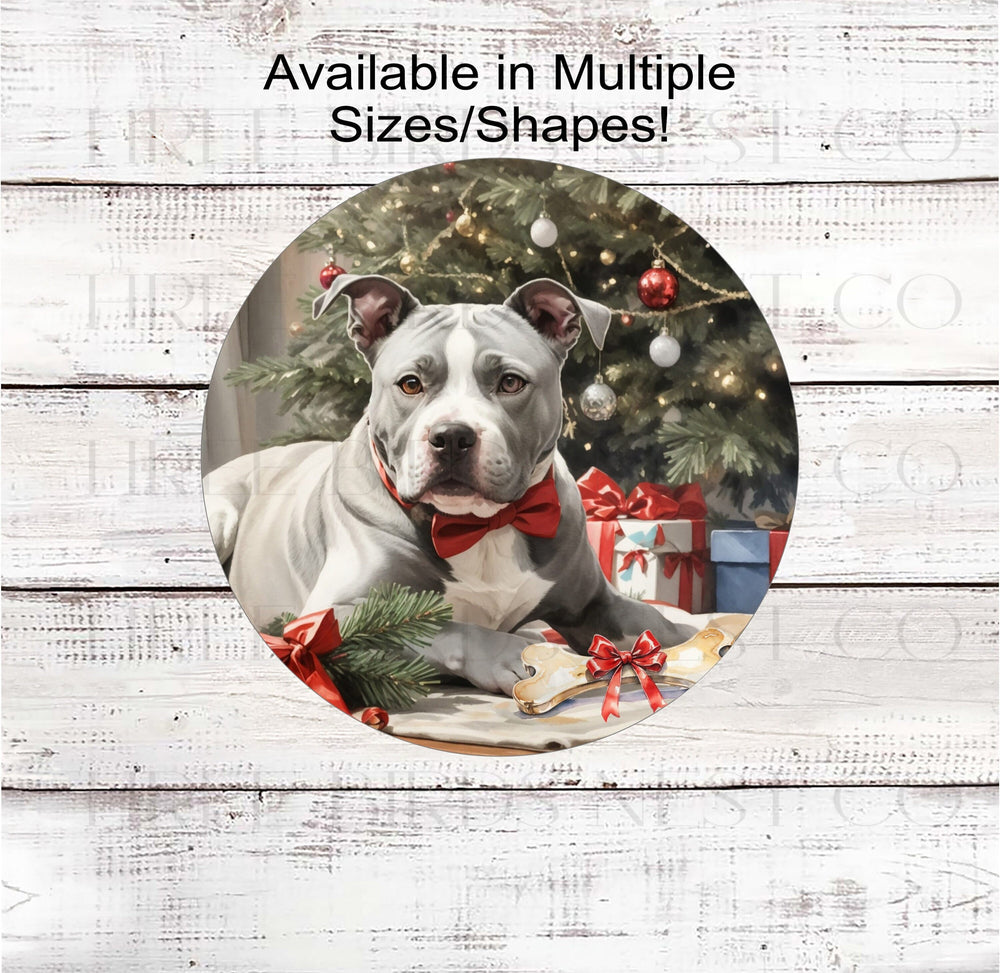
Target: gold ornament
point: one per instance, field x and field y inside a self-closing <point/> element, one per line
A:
<point x="407" y="263"/>
<point x="608" y="257"/>
<point x="295" y="328"/>
<point x="463" y="225"/>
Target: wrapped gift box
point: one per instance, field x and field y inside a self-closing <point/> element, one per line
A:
<point x="745" y="560"/>
<point x="665" y="562"/>
<point x="650" y="543"/>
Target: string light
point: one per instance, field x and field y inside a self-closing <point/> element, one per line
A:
<point x="586" y="446"/>
<point x="761" y="394"/>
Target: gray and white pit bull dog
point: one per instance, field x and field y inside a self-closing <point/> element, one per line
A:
<point x="464" y="417"/>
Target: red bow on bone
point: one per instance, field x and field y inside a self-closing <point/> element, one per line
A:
<point x="644" y="657"/>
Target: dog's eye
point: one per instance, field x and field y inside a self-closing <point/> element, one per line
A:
<point x="411" y="385"/>
<point x="511" y="383"/>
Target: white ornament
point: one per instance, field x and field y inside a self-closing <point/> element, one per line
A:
<point x="544" y="232"/>
<point x="598" y="401"/>
<point x="665" y="351"/>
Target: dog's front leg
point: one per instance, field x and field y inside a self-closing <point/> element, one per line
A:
<point x="488" y="659"/>
<point x="621" y="619"/>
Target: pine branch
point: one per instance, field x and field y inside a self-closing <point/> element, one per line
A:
<point x="377" y="678"/>
<point x="276" y="626"/>
<point x="395" y="617"/>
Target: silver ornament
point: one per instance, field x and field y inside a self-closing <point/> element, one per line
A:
<point x="598" y="401"/>
<point x="665" y="351"/>
<point x="544" y="232"/>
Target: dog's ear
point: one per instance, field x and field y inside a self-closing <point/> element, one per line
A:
<point x="557" y="314"/>
<point x="375" y="306"/>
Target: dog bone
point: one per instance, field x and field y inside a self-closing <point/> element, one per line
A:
<point x="558" y="673"/>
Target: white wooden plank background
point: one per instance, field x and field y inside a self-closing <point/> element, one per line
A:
<point x="859" y="282"/>
<point x="159" y="92"/>
<point x="887" y="879"/>
<point x="127" y="846"/>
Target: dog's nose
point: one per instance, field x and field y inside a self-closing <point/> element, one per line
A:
<point x="451" y="439"/>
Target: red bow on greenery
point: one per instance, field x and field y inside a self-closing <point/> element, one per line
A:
<point x="301" y="646"/>
<point x="607" y="659"/>
<point x="603" y="499"/>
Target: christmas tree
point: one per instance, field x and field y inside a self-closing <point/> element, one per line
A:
<point x="721" y="413"/>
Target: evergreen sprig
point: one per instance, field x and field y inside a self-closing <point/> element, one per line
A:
<point x="378" y="661"/>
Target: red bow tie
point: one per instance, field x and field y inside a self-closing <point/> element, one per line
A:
<point x="537" y="513"/>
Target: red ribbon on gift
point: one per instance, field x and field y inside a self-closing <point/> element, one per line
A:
<point x="644" y="657"/>
<point x="603" y="499"/>
<point x="630" y="557"/>
<point x="602" y="534"/>
<point x="301" y="647"/>
<point x="604" y="502"/>
<point x="690" y="563"/>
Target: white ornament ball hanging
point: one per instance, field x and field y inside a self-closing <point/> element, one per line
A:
<point x="544" y="232"/>
<point x="665" y="351"/>
<point x="598" y="401"/>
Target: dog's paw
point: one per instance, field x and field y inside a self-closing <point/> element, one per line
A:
<point x="497" y="669"/>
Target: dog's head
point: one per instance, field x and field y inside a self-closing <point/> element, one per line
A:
<point x="466" y="403"/>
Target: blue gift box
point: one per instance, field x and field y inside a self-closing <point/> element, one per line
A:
<point x="742" y="561"/>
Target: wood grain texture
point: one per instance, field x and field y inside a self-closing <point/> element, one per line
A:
<point x="173" y="93"/>
<point x="190" y="806"/>
<point x="838" y="686"/>
<point x="117" y="475"/>
<point x="859" y="282"/>
<point x="787" y="881"/>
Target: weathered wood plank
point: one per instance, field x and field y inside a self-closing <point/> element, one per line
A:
<point x="838" y="686"/>
<point x="156" y="92"/>
<point x="859" y="282"/>
<point x="880" y="879"/>
<point x="102" y="487"/>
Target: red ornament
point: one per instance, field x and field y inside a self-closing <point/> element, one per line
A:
<point x="329" y="274"/>
<point x="450" y="216"/>
<point x="657" y="287"/>
<point x="627" y="320"/>
<point x="449" y="168"/>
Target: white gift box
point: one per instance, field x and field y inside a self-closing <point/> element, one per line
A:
<point x="663" y="560"/>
